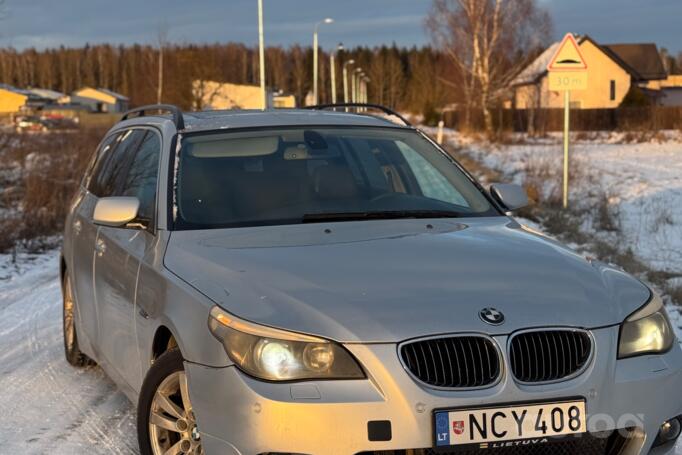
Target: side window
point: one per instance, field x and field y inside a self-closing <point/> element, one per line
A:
<point x="103" y="149"/>
<point x="141" y="179"/>
<point x="433" y="184"/>
<point x="110" y="168"/>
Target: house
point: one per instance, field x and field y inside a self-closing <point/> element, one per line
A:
<point x="99" y="100"/>
<point x="670" y="90"/>
<point x="280" y="101"/>
<point x="12" y="99"/>
<point x="211" y="95"/>
<point x="48" y="96"/>
<point x="611" y="71"/>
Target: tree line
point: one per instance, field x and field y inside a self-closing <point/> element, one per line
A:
<point x="412" y="79"/>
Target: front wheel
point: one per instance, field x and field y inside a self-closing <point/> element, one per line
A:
<point x="165" y="419"/>
<point x="71" y="350"/>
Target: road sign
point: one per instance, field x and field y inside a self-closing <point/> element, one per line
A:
<point x="567" y="56"/>
<point x="567" y="67"/>
<point x="567" y="70"/>
<point x="560" y="81"/>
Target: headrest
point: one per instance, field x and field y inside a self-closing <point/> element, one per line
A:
<point x="334" y="182"/>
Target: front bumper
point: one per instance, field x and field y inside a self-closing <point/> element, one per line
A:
<point x="240" y="415"/>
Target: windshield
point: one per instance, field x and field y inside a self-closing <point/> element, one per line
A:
<point x="299" y="175"/>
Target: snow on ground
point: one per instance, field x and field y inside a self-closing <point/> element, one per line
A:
<point x="642" y="182"/>
<point x="47" y="405"/>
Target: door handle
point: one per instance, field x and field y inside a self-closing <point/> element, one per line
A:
<point x="77" y="226"/>
<point x="100" y="247"/>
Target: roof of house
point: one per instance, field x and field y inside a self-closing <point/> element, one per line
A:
<point x="118" y="96"/>
<point x="641" y="61"/>
<point x="105" y="91"/>
<point x="641" y="58"/>
<point x="47" y="94"/>
<point x="537" y="68"/>
<point x="13" y="89"/>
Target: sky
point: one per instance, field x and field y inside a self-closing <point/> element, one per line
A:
<point x="50" y="23"/>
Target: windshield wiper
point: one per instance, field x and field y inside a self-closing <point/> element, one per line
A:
<point x="381" y="215"/>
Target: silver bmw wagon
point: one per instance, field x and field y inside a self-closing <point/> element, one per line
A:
<point x="327" y="282"/>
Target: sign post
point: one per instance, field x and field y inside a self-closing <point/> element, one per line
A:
<point x="567" y="71"/>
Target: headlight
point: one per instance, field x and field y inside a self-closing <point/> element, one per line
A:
<point x="278" y="355"/>
<point x="646" y="331"/>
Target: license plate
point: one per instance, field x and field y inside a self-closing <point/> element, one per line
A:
<point x="508" y="426"/>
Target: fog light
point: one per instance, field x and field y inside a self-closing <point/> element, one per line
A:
<point x="668" y="432"/>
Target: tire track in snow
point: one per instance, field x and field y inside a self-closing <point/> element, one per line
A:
<point x="49" y="406"/>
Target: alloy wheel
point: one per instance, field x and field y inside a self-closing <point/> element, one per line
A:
<point x="172" y="425"/>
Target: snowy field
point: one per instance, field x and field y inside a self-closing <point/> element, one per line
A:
<point x="642" y="183"/>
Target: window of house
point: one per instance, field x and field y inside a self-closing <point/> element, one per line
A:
<point x="613" y="90"/>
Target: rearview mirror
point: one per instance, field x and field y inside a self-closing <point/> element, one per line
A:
<point x="116" y="211"/>
<point x="511" y="196"/>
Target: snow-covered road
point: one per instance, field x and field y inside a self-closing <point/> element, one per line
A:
<point x="47" y="405"/>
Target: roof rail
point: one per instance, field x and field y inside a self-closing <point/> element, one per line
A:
<point x="143" y="111"/>
<point x="384" y="109"/>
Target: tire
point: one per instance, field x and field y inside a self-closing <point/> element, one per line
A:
<point x="72" y="352"/>
<point x="165" y="395"/>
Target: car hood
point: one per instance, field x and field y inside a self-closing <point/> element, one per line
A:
<point x="391" y="280"/>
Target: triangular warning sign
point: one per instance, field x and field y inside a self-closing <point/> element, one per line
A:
<point x="568" y="56"/>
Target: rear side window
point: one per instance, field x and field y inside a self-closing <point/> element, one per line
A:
<point x="104" y="148"/>
<point x="110" y="169"/>
<point x="142" y="176"/>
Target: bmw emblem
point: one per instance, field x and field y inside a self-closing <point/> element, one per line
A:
<point x="491" y="316"/>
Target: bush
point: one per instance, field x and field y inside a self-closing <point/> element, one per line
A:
<point x="46" y="171"/>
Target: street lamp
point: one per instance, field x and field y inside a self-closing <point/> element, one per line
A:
<point x="358" y="74"/>
<point x="365" y="98"/>
<point x="354" y="84"/>
<point x="345" y="80"/>
<point x="261" y="55"/>
<point x="328" y="20"/>
<point x="332" y="69"/>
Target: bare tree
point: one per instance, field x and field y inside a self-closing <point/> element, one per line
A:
<point x="489" y="41"/>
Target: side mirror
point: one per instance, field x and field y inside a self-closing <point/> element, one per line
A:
<point x="511" y="196"/>
<point x="116" y="211"/>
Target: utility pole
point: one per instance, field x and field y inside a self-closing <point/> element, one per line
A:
<point x="328" y="20"/>
<point x="261" y="55"/>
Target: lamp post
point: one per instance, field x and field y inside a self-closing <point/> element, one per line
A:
<point x="328" y="20"/>
<point x="346" y="99"/>
<point x="261" y="55"/>
<point x="365" y="96"/>
<point x="332" y="70"/>
<point x="355" y="83"/>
